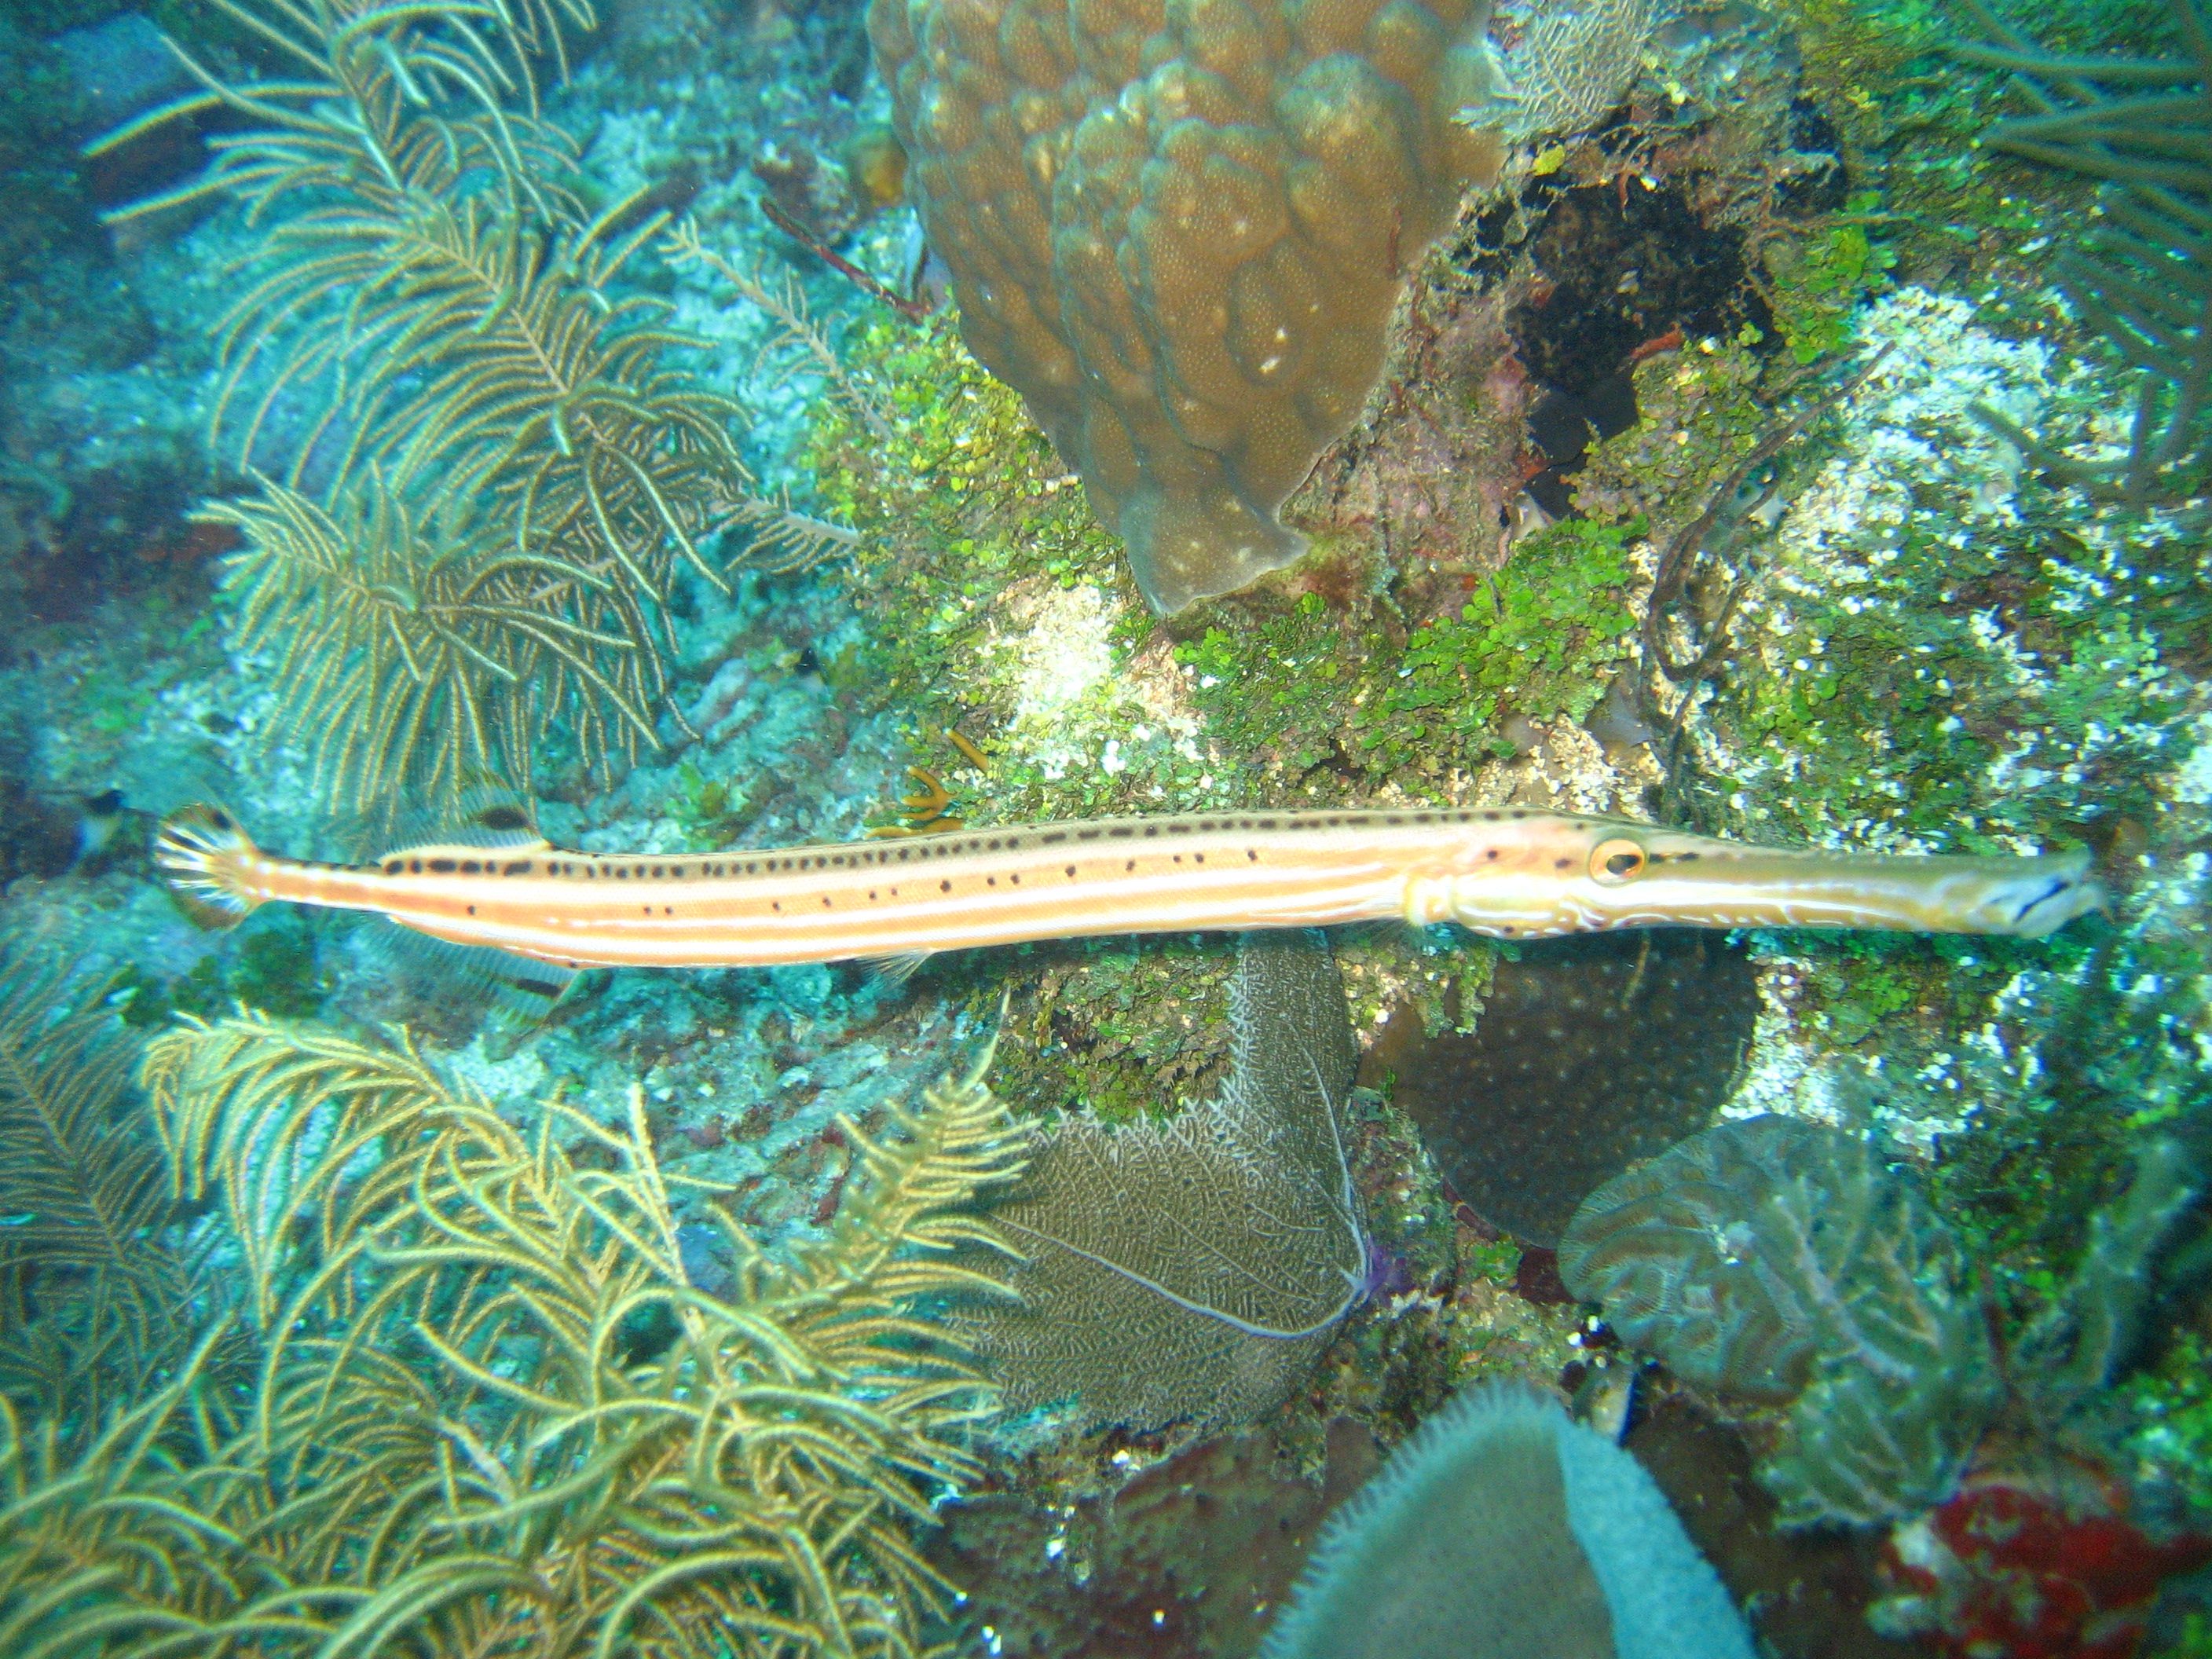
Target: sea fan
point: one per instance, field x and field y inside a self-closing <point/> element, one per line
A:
<point x="1194" y="1268"/>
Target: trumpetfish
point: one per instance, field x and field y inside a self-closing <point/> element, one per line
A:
<point x="1505" y="872"/>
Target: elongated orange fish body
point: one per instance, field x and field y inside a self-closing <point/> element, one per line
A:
<point x="1505" y="872"/>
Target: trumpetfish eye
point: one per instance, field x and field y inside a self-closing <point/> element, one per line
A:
<point x="1616" y="862"/>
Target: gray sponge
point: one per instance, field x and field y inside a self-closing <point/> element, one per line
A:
<point x="1504" y="1530"/>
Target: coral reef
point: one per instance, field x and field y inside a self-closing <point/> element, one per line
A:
<point x="1180" y="237"/>
<point x="1194" y="1267"/>
<point x="1504" y="1527"/>
<point x="1778" y="1260"/>
<point x="1893" y="635"/>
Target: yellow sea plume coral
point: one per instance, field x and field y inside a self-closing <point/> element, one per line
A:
<point x="1178" y="231"/>
<point x="91" y="1296"/>
<point x="492" y="471"/>
<point x="492" y="1413"/>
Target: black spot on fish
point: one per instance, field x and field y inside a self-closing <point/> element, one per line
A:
<point x="470" y="868"/>
<point x="414" y="866"/>
<point x="392" y="868"/>
<point x="1071" y="872"/>
<point x="503" y="819"/>
<point x="1490" y="852"/>
<point x="473" y="909"/>
<point x="944" y="886"/>
<point x="1561" y="864"/>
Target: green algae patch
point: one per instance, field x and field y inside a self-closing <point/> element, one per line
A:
<point x="1900" y="697"/>
<point x="2171" y="1406"/>
<point x="1312" y="691"/>
<point x="1699" y="414"/>
<point x="1538" y="639"/>
<point x="998" y="607"/>
<point x="1817" y="282"/>
<point x="955" y="496"/>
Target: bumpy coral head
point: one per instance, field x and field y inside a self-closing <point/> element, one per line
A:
<point x="1178" y="227"/>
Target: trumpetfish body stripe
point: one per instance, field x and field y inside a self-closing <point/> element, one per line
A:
<point x="1509" y="872"/>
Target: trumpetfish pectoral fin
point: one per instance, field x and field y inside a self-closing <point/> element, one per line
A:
<point x="895" y="970"/>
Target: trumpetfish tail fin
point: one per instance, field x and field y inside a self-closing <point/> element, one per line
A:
<point x="205" y="855"/>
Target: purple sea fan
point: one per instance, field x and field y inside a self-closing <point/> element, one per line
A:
<point x="1195" y="1268"/>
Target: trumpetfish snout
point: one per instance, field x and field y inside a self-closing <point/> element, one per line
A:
<point x="1508" y="871"/>
<point x="1585" y="875"/>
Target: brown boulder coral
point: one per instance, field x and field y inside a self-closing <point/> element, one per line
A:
<point x="1178" y="230"/>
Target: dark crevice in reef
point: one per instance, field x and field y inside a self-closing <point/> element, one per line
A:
<point x="1623" y="265"/>
<point x="1620" y="265"/>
